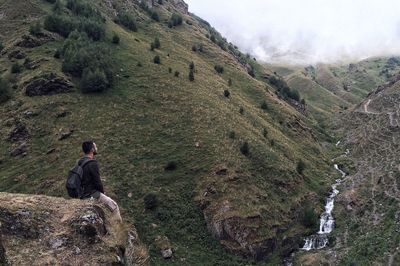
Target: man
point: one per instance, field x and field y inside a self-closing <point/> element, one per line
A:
<point x="91" y="182"/>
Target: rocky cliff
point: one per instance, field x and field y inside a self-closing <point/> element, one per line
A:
<point x="41" y="230"/>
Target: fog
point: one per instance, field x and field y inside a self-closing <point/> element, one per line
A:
<point x="306" y="31"/>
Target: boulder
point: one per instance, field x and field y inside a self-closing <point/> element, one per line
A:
<point x="18" y="133"/>
<point x="16" y="54"/>
<point x="47" y="84"/>
<point x="21" y="149"/>
<point x="163" y="244"/>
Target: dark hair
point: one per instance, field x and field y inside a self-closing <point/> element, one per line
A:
<point x="87" y="146"/>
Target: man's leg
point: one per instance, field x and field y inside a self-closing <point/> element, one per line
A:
<point x="111" y="204"/>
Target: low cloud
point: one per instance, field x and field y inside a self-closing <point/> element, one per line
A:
<point x="306" y="31"/>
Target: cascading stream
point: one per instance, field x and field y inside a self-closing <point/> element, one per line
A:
<point x="327" y="222"/>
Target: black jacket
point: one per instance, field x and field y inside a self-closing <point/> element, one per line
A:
<point x="91" y="181"/>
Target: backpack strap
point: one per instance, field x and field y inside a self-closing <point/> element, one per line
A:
<point x="86" y="162"/>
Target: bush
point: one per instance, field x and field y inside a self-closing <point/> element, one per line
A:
<point x="227" y="93"/>
<point x="300" y="167"/>
<point x="157" y="43"/>
<point x="1" y="46"/>
<point x="191" y="75"/>
<point x="169" y="70"/>
<point x="57" y="54"/>
<point x="5" y="91"/>
<point x="64" y="25"/>
<point x="191" y="66"/>
<point x="265" y="133"/>
<point x="219" y="69"/>
<point x="154" y="15"/>
<point x="80" y="54"/>
<point x="245" y="149"/>
<point x="241" y="110"/>
<point x="264" y="105"/>
<point x="139" y="64"/>
<point x="232" y="135"/>
<point x="176" y="74"/>
<point x="175" y="20"/>
<point x="157" y="60"/>
<point x="127" y="21"/>
<point x="150" y="201"/>
<point x="310" y="218"/>
<point x="230" y="82"/>
<point x="94" y="81"/>
<point x="35" y="29"/>
<point x="16" y="68"/>
<point x="115" y="39"/>
<point x="194" y="48"/>
<point x="51" y="1"/>
<point x="251" y="73"/>
<point x="160" y="2"/>
<point x="171" y="166"/>
<point x="284" y="90"/>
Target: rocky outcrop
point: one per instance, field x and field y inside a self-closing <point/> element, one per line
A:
<point x="241" y="235"/>
<point x="41" y="230"/>
<point x="29" y="41"/>
<point x="47" y="84"/>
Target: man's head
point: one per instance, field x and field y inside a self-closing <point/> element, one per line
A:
<point x="89" y="147"/>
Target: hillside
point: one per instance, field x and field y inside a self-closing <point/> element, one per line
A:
<point x="225" y="165"/>
<point x="330" y="88"/>
<point x="368" y="224"/>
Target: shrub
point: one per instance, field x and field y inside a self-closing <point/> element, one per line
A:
<point x="219" y="69"/>
<point x="272" y="142"/>
<point x="154" y="15"/>
<point x="1" y="46"/>
<point x="230" y="82"/>
<point x="152" y="47"/>
<point x="227" y="93"/>
<point x="176" y="74"/>
<point x="264" y="105"/>
<point x="160" y="2"/>
<point x="232" y="135"/>
<point x="213" y="39"/>
<point x="127" y="21"/>
<point x="80" y="54"/>
<point x="57" y="6"/>
<point x="169" y="70"/>
<point x="157" y="43"/>
<point x="300" y="167"/>
<point x="57" y="54"/>
<point x="150" y="201"/>
<point x="191" y="66"/>
<point x="115" y="39"/>
<point x="244" y="148"/>
<point x="16" y="68"/>
<point x="194" y="48"/>
<point x="241" y="110"/>
<point x="176" y="20"/>
<point x="171" y="166"/>
<point x="64" y="25"/>
<point x="284" y="90"/>
<point x="51" y="1"/>
<point x="310" y="218"/>
<point x="35" y="29"/>
<point x="94" y="81"/>
<point x="139" y="64"/>
<point x="157" y="60"/>
<point x="191" y="75"/>
<point x="5" y="91"/>
<point x="265" y="133"/>
<point x="251" y="73"/>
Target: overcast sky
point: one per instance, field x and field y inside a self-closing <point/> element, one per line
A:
<point x="306" y="31"/>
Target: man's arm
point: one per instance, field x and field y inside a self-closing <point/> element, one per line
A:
<point x="98" y="185"/>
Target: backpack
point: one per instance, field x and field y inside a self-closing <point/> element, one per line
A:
<point x="74" y="180"/>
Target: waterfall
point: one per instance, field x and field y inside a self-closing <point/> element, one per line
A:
<point x="327" y="222"/>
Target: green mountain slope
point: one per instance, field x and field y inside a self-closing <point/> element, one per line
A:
<point x="219" y="173"/>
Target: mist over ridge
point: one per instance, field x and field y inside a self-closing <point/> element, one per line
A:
<point x="307" y="31"/>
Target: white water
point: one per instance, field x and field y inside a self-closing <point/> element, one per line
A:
<point x="327" y="222"/>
